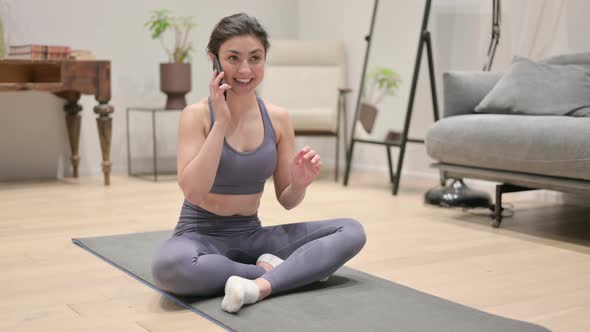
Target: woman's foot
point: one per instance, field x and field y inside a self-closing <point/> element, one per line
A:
<point x="267" y="267"/>
<point x="268" y="261"/>
<point x="240" y="291"/>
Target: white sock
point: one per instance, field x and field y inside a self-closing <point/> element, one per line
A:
<point x="239" y="291"/>
<point x="274" y="261"/>
<point x="271" y="259"/>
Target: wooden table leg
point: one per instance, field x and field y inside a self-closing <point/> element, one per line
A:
<point x="105" y="124"/>
<point x="73" y="120"/>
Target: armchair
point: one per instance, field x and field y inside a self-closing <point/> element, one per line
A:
<point x="307" y="78"/>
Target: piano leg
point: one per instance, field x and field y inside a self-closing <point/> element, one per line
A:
<point x="105" y="123"/>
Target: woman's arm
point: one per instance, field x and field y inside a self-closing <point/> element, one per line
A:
<point x="294" y="172"/>
<point x="198" y="153"/>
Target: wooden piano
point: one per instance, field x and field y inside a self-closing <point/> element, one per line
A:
<point x="68" y="79"/>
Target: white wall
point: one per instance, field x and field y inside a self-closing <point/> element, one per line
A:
<point x="461" y="31"/>
<point x="33" y="139"/>
<point x="455" y="32"/>
<point x="114" y="30"/>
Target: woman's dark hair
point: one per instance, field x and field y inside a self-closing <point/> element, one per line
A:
<point x="236" y="25"/>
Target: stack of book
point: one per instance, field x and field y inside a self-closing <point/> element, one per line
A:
<point x="81" y="55"/>
<point x="39" y="52"/>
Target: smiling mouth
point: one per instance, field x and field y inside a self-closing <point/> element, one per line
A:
<point x="243" y="81"/>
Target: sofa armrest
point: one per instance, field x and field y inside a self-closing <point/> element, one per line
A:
<point x="463" y="90"/>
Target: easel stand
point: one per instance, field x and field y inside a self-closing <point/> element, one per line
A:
<point x="424" y="40"/>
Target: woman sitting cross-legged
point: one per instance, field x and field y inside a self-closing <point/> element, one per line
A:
<point x="229" y="145"/>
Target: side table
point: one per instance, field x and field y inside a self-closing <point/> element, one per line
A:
<point x="68" y="79"/>
<point x="155" y="111"/>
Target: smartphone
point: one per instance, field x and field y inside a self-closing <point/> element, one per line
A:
<point x="217" y="66"/>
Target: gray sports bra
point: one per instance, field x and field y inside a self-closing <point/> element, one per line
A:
<point x="242" y="173"/>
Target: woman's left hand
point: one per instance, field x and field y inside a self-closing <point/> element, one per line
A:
<point x="306" y="167"/>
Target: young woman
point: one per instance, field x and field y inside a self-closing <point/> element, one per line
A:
<point x="228" y="147"/>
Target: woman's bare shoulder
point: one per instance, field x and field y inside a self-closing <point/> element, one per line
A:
<point x="279" y="117"/>
<point x="197" y="109"/>
<point x="277" y="113"/>
<point x="196" y="114"/>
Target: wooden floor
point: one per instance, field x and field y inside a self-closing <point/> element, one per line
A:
<point x="536" y="267"/>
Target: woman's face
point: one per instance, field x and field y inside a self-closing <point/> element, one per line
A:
<point x="242" y="59"/>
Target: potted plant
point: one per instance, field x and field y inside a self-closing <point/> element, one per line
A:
<point x="175" y="75"/>
<point x="381" y="82"/>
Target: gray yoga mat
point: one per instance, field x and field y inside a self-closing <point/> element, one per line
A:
<point x="349" y="301"/>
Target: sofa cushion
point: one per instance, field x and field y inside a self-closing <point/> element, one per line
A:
<point x="547" y="145"/>
<point x="540" y="89"/>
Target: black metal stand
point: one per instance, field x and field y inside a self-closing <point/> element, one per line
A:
<point x="341" y="128"/>
<point x="156" y="172"/>
<point x="495" y="35"/>
<point x="401" y="143"/>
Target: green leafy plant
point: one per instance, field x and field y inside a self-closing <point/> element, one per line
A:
<point x="160" y="22"/>
<point x="381" y="82"/>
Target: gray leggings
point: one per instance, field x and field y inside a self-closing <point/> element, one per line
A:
<point x="207" y="249"/>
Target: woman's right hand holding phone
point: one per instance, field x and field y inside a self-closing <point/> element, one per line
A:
<point x="217" y="90"/>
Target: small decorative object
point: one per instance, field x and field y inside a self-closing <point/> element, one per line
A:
<point x="175" y="75"/>
<point x="381" y="82"/>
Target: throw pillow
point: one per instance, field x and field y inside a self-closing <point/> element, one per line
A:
<point x="569" y="59"/>
<point x="463" y="90"/>
<point x="562" y="59"/>
<point x="540" y="89"/>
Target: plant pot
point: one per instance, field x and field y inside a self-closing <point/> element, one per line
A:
<point x="175" y="82"/>
<point x="367" y="116"/>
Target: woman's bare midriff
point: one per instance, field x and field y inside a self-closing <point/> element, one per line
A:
<point x="230" y="205"/>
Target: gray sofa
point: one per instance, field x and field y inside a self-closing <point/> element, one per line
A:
<point x="519" y="151"/>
